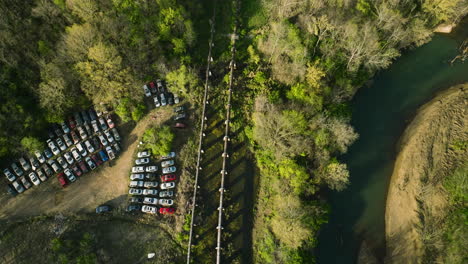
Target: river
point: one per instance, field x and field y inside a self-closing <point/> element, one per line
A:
<point x="381" y="112"/>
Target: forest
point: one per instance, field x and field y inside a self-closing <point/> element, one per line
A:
<point x="301" y="62"/>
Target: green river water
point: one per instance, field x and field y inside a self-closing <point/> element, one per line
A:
<point x="380" y="114"/>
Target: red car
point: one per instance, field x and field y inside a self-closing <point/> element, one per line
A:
<point x="83" y="167"/>
<point x="61" y="179"/>
<point x="96" y="159"/>
<point x="180" y="125"/>
<point x="153" y="88"/>
<point x="72" y="123"/>
<point x="168" y="177"/>
<point x="77" y="171"/>
<point x="164" y="210"/>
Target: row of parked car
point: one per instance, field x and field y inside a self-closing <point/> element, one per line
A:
<point x="144" y="183"/>
<point x="161" y="96"/>
<point x="84" y="142"/>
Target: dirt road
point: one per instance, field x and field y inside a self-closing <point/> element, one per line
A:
<point x="108" y="184"/>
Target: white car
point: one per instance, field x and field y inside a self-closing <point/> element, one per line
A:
<point x="34" y="179"/>
<point x="103" y="124"/>
<point x="110" y="152"/>
<point x="95" y="126"/>
<point x="163" y="99"/>
<point x="52" y="147"/>
<point x="169" y="170"/>
<point x="41" y="175"/>
<point x="149" y="209"/>
<point x="134" y="191"/>
<point x="166" y="194"/>
<point x="167" y="163"/>
<point x="62" y="162"/>
<point x="9" y="175"/>
<point x="18" y="186"/>
<point x="138" y="169"/>
<point x="109" y="137"/>
<point x="69" y="158"/>
<point x="166" y="202"/>
<point x="151" y="168"/>
<point x="136" y="183"/>
<point x="67" y="140"/>
<point x="146" y="90"/>
<point x="81" y="150"/>
<point x="70" y="175"/>
<point x="82" y="133"/>
<point x="90" y="163"/>
<point x="89" y="146"/>
<point x="26" y="166"/>
<point x="34" y="163"/>
<point x="156" y="101"/>
<point x="151" y="184"/>
<point x="150" y="192"/>
<point x="39" y="156"/>
<point x="150" y="200"/>
<point x="76" y="154"/>
<point x="167" y="185"/>
<point x="16" y="169"/>
<point x="102" y="139"/>
<point x="169" y="155"/>
<point x="54" y="165"/>
<point x="60" y="144"/>
<point x="142" y="161"/>
<point x="143" y="154"/>
<point x="116" y="134"/>
<point x="137" y="176"/>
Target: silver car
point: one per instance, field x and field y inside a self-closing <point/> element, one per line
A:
<point x="169" y="155"/>
<point x="34" y="179"/>
<point x="138" y="169"/>
<point x="17" y="170"/>
<point x="151" y="168"/>
<point x="150" y="192"/>
<point x="167" y="185"/>
<point x="137" y="176"/>
<point x="136" y="183"/>
<point x="166" y="202"/>
<point x="69" y="158"/>
<point x="116" y="134"/>
<point x="149" y="209"/>
<point x="166" y="194"/>
<point x="169" y="170"/>
<point x="167" y="163"/>
<point x="150" y="200"/>
<point x="52" y="147"/>
<point x="39" y="156"/>
<point x="9" y="175"/>
<point x="60" y="144"/>
<point x="134" y="191"/>
<point x="143" y="154"/>
<point x="142" y="161"/>
<point x="26" y="166"/>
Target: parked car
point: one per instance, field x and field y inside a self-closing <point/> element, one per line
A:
<point x="34" y="163"/>
<point x="95" y="126"/>
<point x="90" y="163"/>
<point x="62" y="162"/>
<point x="163" y="99"/>
<point x="96" y="159"/>
<point x="54" y="165"/>
<point x="61" y="179"/>
<point x="151" y="168"/>
<point x="170" y="99"/>
<point x="75" y="137"/>
<point x="180" y="125"/>
<point x="48" y="171"/>
<point x="70" y="176"/>
<point x="68" y="157"/>
<point x="25" y="183"/>
<point x="83" y="167"/>
<point x="18" y="186"/>
<point x="179" y="109"/>
<point x="51" y="133"/>
<point x="116" y="147"/>
<point x="136" y="183"/>
<point x="39" y="156"/>
<point x="9" y="175"/>
<point x="167" y="163"/>
<point x="116" y="134"/>
<point x="149" y="209"/>
<point x="163" y="194"/>
<point x="138" y="169"/>
<point x="85" y="117"/>
<point x="133" y="208"/>
<point x="109" y="137"/>
<point x="156" y="101"/>
<point x="42" y="176"/>
<point x="160" y="85"/>
<point x="102" y="139"/>
<point x="67" y="140"/>
<point x="150" y="200"/>
<point x="88" y="129"/>
<point x="17" y="170"/>
<point x="34" y="179"/>
<point x="167" y="185"/>
<point x="47" y="153"/>
<point x="77" y="171"/>
<point x="169" y="170"/>
<point x="60" y="144"/>
<point x="81" y="149"/>
<point x="166" y="202"/>
<point x="176" y="99"/>
<point x="168" y="178"/>
<point x="110" y="123"/>
<point x="76" y="154"/>
<point x="82" y="133"/>
<point x="143" y="154"/>
<point x="150" y="184"/>
<point x="134" y="191"/>
<point x="164" y="210"/>
<point x="142" y="161"/>
<point x="58" y="131"/>
<point x="151" y="176"/>
<point x="65" y="128"/>
<point x="137" y="176"/>
<point x="169" y="155"/>
<point x="103" y="209"/>
<point x="146" y="90"/>
<point x="92" y="114"/>
<point x="103" y="124"/>
<point x="79" y="121"/>
<point x="110" y="153"/>
<point x="103" y="156"/>
<point x="71" y="122"/>
<point x="150" y="192"/>
<point x="136" y="200"/>
<point x="179" y="117"/>
<point x="153" y="88"/>
<point x="24" y="164"/>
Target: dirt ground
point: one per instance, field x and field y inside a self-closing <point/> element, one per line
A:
<point x="425" y="157"/>
<point x="108" y="184"/>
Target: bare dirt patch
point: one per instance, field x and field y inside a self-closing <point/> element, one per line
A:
<point x="425" y="158"/>
<point x="108" y="184"/>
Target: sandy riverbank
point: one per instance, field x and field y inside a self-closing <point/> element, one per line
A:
<point x="416" y="201"/>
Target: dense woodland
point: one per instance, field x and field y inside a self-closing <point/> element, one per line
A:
<point x="300" y="62"/>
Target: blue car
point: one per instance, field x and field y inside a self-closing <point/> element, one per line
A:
<point x="103" y="156"/>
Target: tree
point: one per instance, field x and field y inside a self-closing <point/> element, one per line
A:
<point x="185" y="81"/>
<point x="32" y="144"/>
<point x="77" y="41"/>
<point x="159" y="140"/>
<point x="336" y="176"/>
<point x="84" y="9"/>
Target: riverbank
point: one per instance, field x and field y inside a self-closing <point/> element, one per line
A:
<point x="416" y="202"/>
